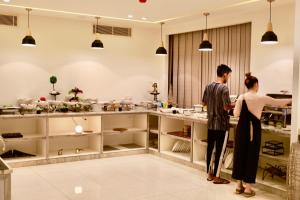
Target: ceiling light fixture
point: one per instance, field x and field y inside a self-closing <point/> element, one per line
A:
<point x="144" y="18"/>
<point x="161" y="51"/>
<point x="205" y="44"/>
<point x="28" y="40"/>
<point x="269" y="37"/>
<point x="97" y="44"/>
<point x="6" y="1"/>
<point x="130" y="16"/>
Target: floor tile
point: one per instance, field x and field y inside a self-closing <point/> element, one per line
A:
<point x="139" y="177"/>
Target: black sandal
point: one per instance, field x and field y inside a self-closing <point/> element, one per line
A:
<point x="249" y="194"/>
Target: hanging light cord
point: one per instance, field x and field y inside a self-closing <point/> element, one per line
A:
<point x="97" y="25"/>
<point x="161" y="38"/>
<point x="270" y="11"/>
<point x="28" y="18"/>
<point x="206" y="23"/>
<point x="96" y="29"/>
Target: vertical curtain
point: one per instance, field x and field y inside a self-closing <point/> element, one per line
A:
<point x="190" y="70"/>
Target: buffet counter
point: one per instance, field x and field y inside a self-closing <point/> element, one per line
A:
<point x="48" y="138"/>
<point x="198" y="118"/>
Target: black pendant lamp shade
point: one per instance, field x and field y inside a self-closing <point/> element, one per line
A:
<point x="161" y="51"/>
<point x="28" y="40"/>
<point x="269" y="37"/>
<point x="97" y="44"/>
<point x="205" y="44"/>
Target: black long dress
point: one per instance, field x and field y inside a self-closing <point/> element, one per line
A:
<point x="247" y="148"/>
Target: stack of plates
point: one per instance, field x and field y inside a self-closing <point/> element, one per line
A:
<point x="9" y="110"/>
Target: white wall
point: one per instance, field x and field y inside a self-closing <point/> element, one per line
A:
<point x="126" y="67"/>
<point x="273" y="65"/>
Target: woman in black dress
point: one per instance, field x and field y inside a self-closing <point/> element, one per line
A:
<point x="248" y="108"/>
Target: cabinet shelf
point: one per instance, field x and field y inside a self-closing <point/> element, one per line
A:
<point x="71" y="153"/>
<point x="129" y="131"/>
<point x="72" y="134"/>
<point x="154" y="131"/>
<point x="122" y="148"/>
<point x="25" y="137"/>
<point x="153" y="149"/>
<point x="176" y="137"/>
<point x="280" y="158"/>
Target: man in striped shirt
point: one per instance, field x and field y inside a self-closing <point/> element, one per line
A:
<point x="216" y="98"/>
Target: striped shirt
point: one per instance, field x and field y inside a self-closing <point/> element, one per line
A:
<point x="216" y="96"/>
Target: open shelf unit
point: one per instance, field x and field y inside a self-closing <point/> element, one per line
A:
<point x="53" y="137"/>
<point x="33" y="140"/>
<point x="89" y="144"/>
<point x="154" y="132"/>
<point x="64" y="141"/>
<point x="199" y="144"/>
<point x="274" y="160"/>
<point x="180" y="145"/>
<point x="133" y="137"/>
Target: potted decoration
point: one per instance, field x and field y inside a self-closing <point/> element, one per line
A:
<point x="75" y="91"/>
<point x="53" y="81"/>
<point x="74" y="105"/>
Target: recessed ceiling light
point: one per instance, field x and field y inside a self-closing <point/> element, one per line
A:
<point x="144" y="18"/>
<point x="7" y="1"/>
<point x="130" y="16"/>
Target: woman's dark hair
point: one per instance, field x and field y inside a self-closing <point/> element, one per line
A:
<point x="250" y="80"/>
<point x="223" y="69"/>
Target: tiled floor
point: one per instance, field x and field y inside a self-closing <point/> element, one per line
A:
<point x="141" y="177"/>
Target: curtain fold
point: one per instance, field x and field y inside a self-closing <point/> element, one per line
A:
<point x="190" y="70"/>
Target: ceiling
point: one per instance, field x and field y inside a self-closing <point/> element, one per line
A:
<point x="154" y="10"/>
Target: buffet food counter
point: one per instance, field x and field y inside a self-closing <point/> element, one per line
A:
<point x="46" y="138"/>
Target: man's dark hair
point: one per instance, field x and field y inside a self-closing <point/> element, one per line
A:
<point x="223" y="69"/>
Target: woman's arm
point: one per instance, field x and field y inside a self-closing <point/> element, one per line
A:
<point x="276" y="102"/>
<point x="238" y="106"/>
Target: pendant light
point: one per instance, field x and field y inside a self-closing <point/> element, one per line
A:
<point x="205" y="44"/>
<point x="28" y="40"/>
<point x="97" y="44"/>
<point x="269" y="37"/>
<point x="161" y="51"/>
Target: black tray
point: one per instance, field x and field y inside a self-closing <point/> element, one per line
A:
<point x="15" y="154"/>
